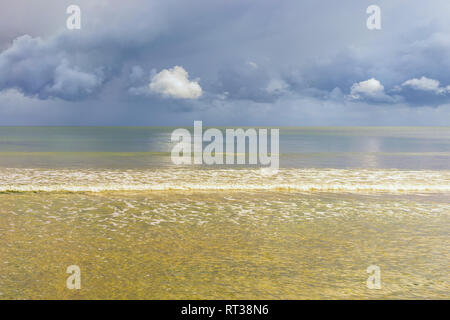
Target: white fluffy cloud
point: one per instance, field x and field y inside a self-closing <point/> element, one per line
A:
<point x="426" y="84"/>
<point x="370" y="88"/>
<point x="174" y="83"/>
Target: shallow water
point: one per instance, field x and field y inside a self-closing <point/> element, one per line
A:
<point x="251" y="245"/>
<point x="140" y="227"/>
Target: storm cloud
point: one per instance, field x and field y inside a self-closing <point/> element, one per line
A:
<point x="228" y="62"/>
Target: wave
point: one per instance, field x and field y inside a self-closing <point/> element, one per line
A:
<point x="190" y="179"/>
<point x="230" y="187"/>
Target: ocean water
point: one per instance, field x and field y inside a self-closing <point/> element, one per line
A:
<point x="109" y="200"/>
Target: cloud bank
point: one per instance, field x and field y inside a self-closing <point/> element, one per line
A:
<point x="39" y="68"/>
<point x="287" y="62"/>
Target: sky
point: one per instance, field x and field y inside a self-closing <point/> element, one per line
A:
<point x="227" y="63"/>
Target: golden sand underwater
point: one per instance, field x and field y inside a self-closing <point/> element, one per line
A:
<point x="204" y="234"/>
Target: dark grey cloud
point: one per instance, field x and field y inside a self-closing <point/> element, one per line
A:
<point x="289" y="61"/>
<point x="44" y="69"/>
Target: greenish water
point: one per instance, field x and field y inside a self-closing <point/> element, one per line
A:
<point x="137" y="147"/>
<point x="110" y="201"/>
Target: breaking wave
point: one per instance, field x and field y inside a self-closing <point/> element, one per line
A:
<point x="191" y="179"/>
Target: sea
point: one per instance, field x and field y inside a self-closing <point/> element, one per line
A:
<point x="110" y="201"/>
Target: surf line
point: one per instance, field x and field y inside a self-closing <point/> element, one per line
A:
<point x="235" y="146"/>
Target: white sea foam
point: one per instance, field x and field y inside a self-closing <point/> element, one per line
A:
<point x="188" y="179"/>
<point x="230" y="187"/>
